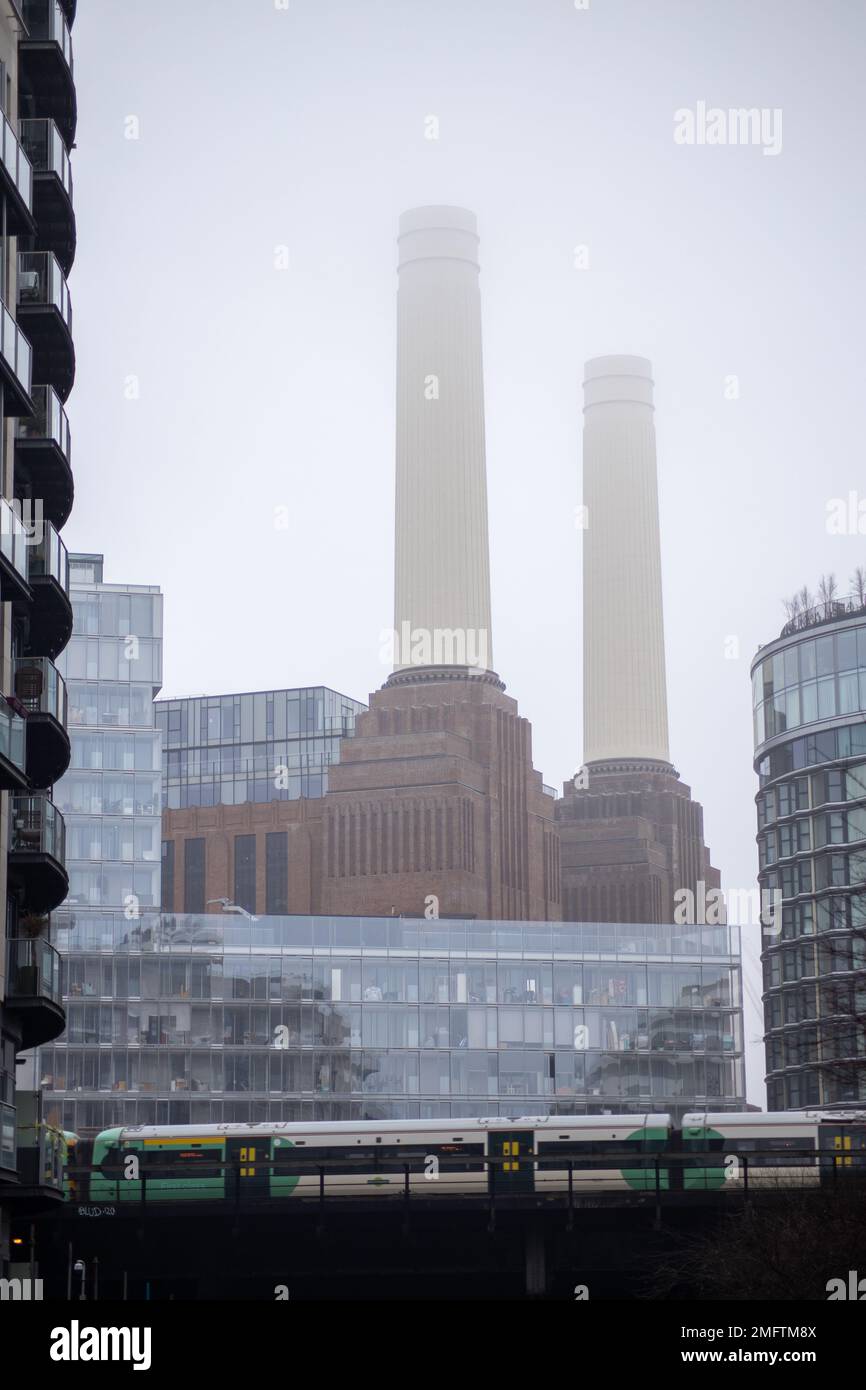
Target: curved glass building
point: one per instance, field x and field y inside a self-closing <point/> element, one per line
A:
<point x="809" y="703"/>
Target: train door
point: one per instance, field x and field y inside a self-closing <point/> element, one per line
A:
<point x="248" y="1164"/>
<point x="843" y="1148"/>
<point x="516" y="1171"/>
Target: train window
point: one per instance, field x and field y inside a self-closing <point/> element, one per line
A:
<point x="763" y="1152"/>
<point x="586" y="1154"/>
<point x="182" y="1163"/>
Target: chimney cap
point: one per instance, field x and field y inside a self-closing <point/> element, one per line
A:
<point x="438" y="234"/>
<point x="618" y="378"/>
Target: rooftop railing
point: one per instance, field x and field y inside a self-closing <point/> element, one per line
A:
<point x="829" y="611"/>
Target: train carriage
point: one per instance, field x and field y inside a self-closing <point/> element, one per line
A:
<point x="352" y="1159"/>
<point x="710" y="1151"/>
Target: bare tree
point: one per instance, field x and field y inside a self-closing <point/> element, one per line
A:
<point x="783" y="1245"/>
<point x="792" y="607"/>
<point x="827" y="589"/>
<point x="807" y="599"/>
<point x="858" y="585"/>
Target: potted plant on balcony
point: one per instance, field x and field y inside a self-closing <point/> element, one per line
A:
<point x="34" y="923"/>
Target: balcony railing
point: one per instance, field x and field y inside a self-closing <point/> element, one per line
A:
<point x="49" y="558"/>
<point x="7" y="1137"/>
<point x="41" y="282"/>
<point x="16" y="352"/>
<point x="16" y="163"/>
<point x="14" y="540"/>
<point x="44" y="148"/>
<point x="49" y="421"/>
<point x="32" y="970"/>
<point x="40" y="687"/>
<point x="13" y="736"/>
<point x="36" y="827"/>
<point x="46" y="23"/>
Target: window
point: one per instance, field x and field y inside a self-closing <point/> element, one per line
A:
<point x="276" y="873"/>
<point x="193" y="876"/>
<point x="245" y="872"/>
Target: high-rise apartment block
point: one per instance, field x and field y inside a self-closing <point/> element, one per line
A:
<point x="37" y="370"/>
<point x="809" y="700"/>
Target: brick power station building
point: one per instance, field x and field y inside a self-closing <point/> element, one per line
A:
<point x="431" y="791"/>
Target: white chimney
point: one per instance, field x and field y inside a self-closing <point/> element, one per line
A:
<point x="625" y="694"/>
<point x="442" y="578"/>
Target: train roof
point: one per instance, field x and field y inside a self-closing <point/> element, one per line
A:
<point x="761" y="1119"/>
<point x="455" y="1125"/>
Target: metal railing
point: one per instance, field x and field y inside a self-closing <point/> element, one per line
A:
<point x="46" y="23"/>
<point x="7" y="1136"/>
<point x="32" y="969"/>
<point x="829" y="611"/>
<point x="49" y="559"/>
<point x="49" y="421"/>
<point x="45" y="149"/>
<point x="36" y="827"/>
<point x="14" y="543"/>
<point x="16" y="162"/>
<point x="40" y="687"/>
<point x="13" y="735"/>
<point x="15" y="349"/>
<point x="42" y="282"/>
<point x="674" y="1176"/>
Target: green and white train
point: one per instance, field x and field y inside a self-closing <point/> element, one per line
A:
<point x="540" y="1154"/>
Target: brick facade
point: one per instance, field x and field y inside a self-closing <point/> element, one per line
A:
<point x="434" y="795"/>
<point x="629" y="841"/>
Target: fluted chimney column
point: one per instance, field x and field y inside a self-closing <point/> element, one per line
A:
<point x="625" y="694"/>
<point x="442" y="578"/>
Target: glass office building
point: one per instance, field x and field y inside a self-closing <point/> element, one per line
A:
<point x="273" y="745"/>
<point x="180" y="1019"/>
<point x="809" y="699"/>
<point x="111" y="795"/>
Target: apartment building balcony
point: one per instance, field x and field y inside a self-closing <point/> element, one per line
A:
<point x="53" y="209"/>
<point x="13" y="748"/>
<point x="16" y="365"/>
<point x="41" y="691"/>
<point x="49" y="614"/>
<point x="43" y="455"/>
<point x="33" y="990"/>
<point x="46" y="66"/>
<point x="16" y="181"/>
<point x="37" y="848"/>
<point x="8" y="1169"/>
<point x="14" y="555"/>
<point x="45" y="315"/>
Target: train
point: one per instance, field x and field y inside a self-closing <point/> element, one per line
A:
<point x="534" y="1154"/>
